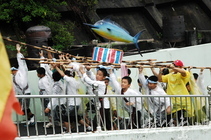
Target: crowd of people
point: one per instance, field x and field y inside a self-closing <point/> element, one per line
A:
<point x="115" y="113"/>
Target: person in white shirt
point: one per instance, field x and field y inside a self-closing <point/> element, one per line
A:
<point x="90" y="105"/>
<point x="132" y="104"/>
<point x="140" y="85"/>
<point x="44" y="85"/>
<point x="165" y="71"/>
<point x="196" y="87"/>
<point x="21" y="86"/>
<point x="72" y="86"/>
<point x="158" y="107"/>
<point x="101" y="90"/>
<point x="200" y="81"/>
<point x="47" y="67"/>
<point x="57" y="89"/>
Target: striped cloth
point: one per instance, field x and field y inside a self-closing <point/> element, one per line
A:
<point x="107" y="55"/>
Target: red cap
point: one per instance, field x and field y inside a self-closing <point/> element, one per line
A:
<point x="178" y="63"/>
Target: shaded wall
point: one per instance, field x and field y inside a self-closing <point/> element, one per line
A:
<point x="136" y="15"/>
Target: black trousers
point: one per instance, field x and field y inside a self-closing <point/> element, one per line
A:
<point x="135" y="119"/>
<point x="104" y="120"/>
<point x="178" y="118"/>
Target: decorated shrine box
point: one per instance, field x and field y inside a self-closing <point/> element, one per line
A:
<point x="107" y="55"/>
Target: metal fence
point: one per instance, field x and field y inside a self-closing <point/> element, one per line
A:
<point x="89" y="116"/>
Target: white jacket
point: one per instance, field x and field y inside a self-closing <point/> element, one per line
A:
<point x="136" y="100"/>
<point x="72" y="86"/>
<point x="20" y="79"/>
<point x="57" y="89"/>
<point x="154" y="104"/>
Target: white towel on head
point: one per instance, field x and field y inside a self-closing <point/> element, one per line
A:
<point x="75" y="66"/>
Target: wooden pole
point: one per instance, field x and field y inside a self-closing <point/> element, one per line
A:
<point x="59" y="60"/>
<point x="129" y="66"/>
<point x="22" y="43"/>
<point x="95" y="65"/>
<point x="49" y="49"/>
<point x="85" y="63"/>
<point x="35" y="59"/>
<point x="93" y="62"/>
<point x="137" y="66"/>
<point x="164" y="62"/>
<point x="136" y="61"/>
<point x="47" y="62"/>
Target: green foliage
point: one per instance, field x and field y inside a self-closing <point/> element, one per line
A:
<point x="62" y="34"/>
<point x="27" y="10"/>
<point x="91" y="2"/>
<point x="160" y="35"/>
<point x="16" y="12"/>
<point x="11" y="47"/>
<point x="125" y="49"/>
<point x="84" y="42"/>
<point x="88" y="3"/>
<point x="199" y="35"/>
<point x="19" y="13"/>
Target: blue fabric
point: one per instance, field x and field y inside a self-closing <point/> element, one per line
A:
<point x="150" y="81"/>
<point x="13" y="68"/>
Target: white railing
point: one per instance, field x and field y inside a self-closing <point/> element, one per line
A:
<point x="90" y="114"/>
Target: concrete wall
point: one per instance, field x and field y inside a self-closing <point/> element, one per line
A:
<point x="173" y="133"/>
<point x="199" y="55"/>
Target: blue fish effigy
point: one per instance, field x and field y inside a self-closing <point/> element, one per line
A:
<point x="112" y="31"/>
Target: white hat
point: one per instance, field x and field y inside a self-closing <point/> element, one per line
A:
<point x="13" y="68"/>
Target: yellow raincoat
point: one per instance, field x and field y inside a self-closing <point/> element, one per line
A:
<point x="198" y="102"/>
<point x="176" y="85"/>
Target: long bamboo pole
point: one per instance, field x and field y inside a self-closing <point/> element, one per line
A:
<point x="84" y="63"/>
<point x="51" y="62"/>
<point x="33" y="46"/>
<point x="91" y="61"/>
<point x="58" y="60"/>
<point x="46" y="59"/>
<point x="95" y="65"/>
<point x="129" y="66"/>
<point x="164" y="62"/>
<point x="136" y="61"/>
<point x="49" y="49"/>
<point x="36" y="59"/>
<point x="86" y="59"/>
<point x="137" y="66"/>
